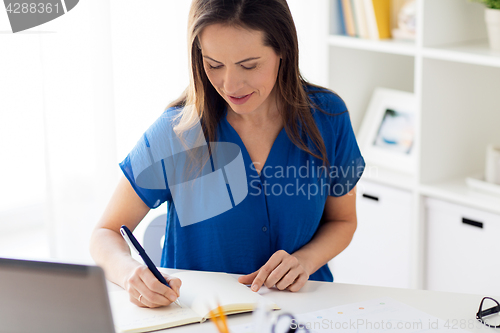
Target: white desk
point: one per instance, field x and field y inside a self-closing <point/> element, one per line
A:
<point x="321" y="295"/>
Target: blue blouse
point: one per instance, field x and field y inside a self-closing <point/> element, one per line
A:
<point x="284" y="204"/>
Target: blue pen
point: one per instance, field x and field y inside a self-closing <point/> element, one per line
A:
<point x="134" y="244"/>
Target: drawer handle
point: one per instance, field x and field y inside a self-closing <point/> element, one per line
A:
<point x="472" y="223"/>
<point x="371" y="197"/>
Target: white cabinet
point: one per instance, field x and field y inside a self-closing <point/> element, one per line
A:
<point x="462" y="249"/>
<point x="379" y="253"/>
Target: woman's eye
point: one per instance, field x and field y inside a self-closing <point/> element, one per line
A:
<point x="249" y="67"/>
<point x="220" y="66"/>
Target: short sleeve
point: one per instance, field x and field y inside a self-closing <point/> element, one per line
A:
<point x="151" y="197"/>
<point x="144" y="169"/>
<point x="346" y="163"/>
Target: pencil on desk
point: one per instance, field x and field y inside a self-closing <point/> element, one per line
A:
<point x="219" y="319"/>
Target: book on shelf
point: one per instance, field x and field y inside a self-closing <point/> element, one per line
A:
<point x="348" y="18"/>
<point x="354" y="18"/>
<point x="368" y="19"/>
<point x="378" y="18"/>
<point x="360" y="14"/>
<point x="338" y="11"/>
<point x="201" y="292"/>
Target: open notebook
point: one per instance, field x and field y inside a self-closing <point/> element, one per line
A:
<point x="200" y="293"/>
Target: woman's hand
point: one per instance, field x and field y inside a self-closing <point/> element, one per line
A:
<point x="284" y="270"/>
<point x="146" y="291"/>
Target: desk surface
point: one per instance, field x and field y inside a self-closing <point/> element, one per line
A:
<point x="322" y="295"/>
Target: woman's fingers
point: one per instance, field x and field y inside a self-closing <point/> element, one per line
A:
<point x="175" y="284"/>
<point x="289" y="278"/>
<point x="283" y="270"/>
<point x="146" y="290"/>
<point x="248" y="279"/>
<point x="136" y="302"/>
<point x="267" y="269"/>
<point x="138" y="299"/>
<point x="278" y="267"/>
<point x="158" y="288"/>
<point x="153" y="290"/>
<point x="288" y="269"/>
<point x="299" y="283"/>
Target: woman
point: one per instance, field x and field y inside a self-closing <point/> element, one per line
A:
<point x="300" y="157"/>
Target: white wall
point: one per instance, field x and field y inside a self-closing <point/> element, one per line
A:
<point x="312" y="24"/>
<point x="79" y="125"/>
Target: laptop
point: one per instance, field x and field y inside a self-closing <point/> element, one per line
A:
<point x="42" y="296"/>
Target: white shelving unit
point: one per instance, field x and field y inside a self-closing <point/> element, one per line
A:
<point x="384" y="46"/>
<point x="456" y="80"/>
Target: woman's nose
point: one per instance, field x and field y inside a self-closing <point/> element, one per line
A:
<point x="232" y="82"/>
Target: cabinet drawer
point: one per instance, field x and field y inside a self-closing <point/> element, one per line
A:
<point x="462" y="249"/>
<point x="379" y="253"/>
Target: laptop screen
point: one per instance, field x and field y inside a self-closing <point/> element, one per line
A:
<point x="39" y="296"/>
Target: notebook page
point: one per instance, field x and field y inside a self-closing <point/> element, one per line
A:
<point x="201" y="291"/>
<point x="128" y="317"/>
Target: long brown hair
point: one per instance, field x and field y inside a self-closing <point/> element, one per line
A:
<point x="274" y="19"/>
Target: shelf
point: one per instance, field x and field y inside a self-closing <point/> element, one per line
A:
<point x="455" y="78"/>
<point x="456" y="191"/>
<point x="385" y="46"/>
<point x="473" y="52"/>
<point x="392" y="178"/>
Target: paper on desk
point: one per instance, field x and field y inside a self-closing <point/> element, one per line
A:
<point x="128" y="317"/>
<point x="377" y="315"/>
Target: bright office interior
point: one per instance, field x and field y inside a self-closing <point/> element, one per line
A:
<point x="78" y="92"/>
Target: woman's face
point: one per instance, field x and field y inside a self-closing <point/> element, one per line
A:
<point x="240" y="67"/>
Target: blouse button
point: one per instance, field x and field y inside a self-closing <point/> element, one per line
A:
<point x="264" y="229"/>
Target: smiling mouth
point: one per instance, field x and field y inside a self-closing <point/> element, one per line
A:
<point x="239" y="100"/>
<point x="239" y="97"/>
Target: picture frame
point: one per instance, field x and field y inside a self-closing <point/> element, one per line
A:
<point x="387" y="136"/>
